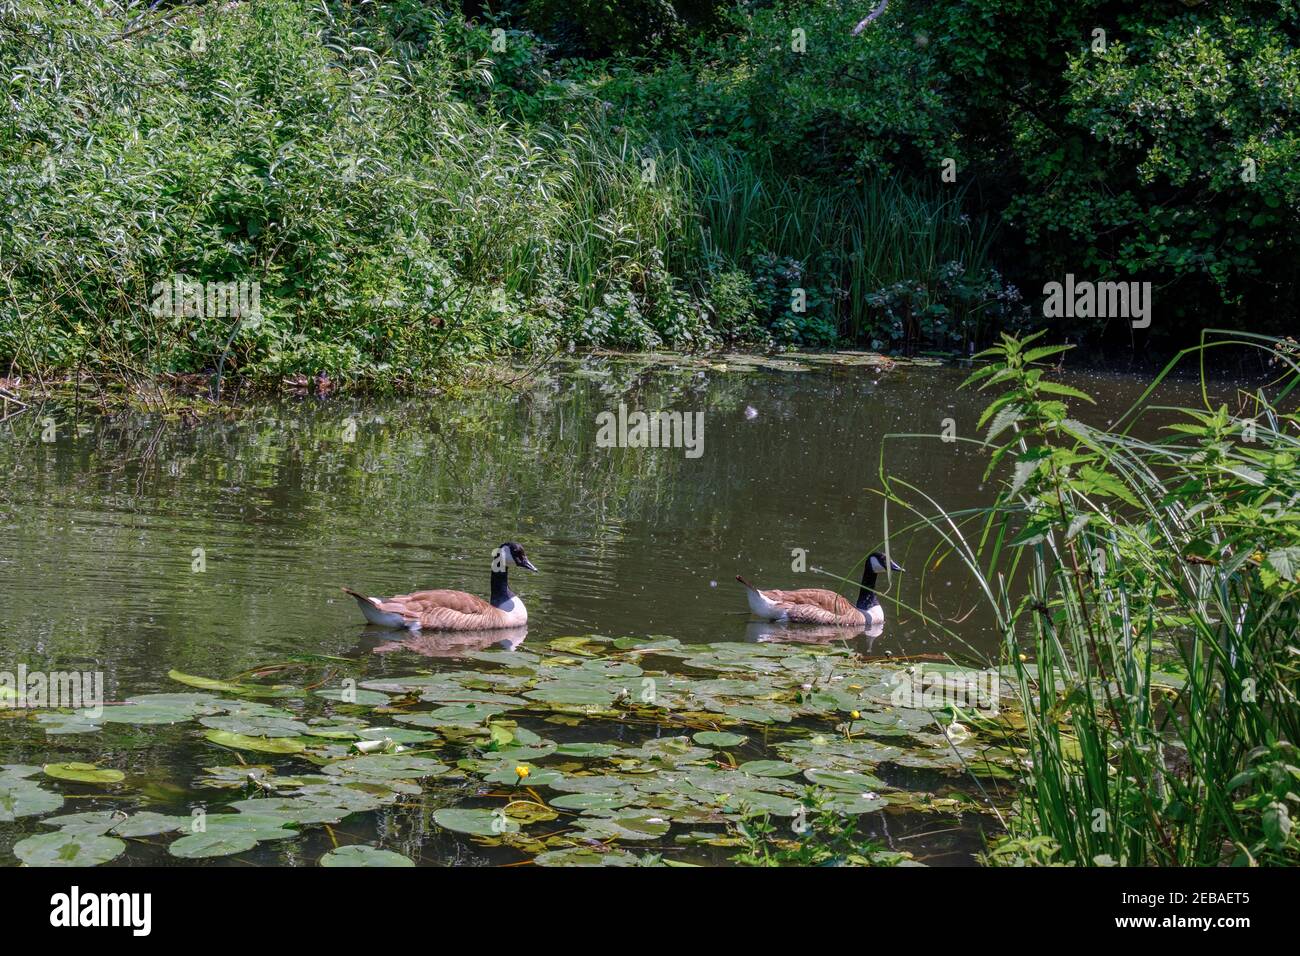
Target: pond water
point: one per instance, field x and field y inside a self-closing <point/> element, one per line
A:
<point x="134" y="545"/>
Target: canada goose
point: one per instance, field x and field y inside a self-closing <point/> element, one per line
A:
<point x="819" y="606"/>
<point x="454" y="610"/>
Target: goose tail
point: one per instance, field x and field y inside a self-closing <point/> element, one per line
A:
<point x="358" y="595"/>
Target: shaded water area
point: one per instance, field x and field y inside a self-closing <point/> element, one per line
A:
<point x="101" y="530"/>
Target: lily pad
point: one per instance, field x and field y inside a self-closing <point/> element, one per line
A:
<point x="585" y="856"/>
<point x="361" y="855"/>
<point x="257" y="726"/>
<point x="269" y="745"/>
<point x="68" y="848"/>
<point x="385" y="766"/>
<point x="344" y="695"/>
<point x="769" y="768"/>
<point x="476" y="822"/>
<point x="83" y="773"/>
<point x="22" y="798"/>
<point x="584" y="750"/>
<point x="221" y="841"/>
<point x="591" y="801"/>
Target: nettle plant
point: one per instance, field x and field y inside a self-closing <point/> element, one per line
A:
<point x="1148" y="591"/>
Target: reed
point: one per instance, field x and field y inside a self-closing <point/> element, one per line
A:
<point x="1148" y="594"/>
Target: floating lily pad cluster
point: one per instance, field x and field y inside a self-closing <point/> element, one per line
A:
<point x="586" y="751"/>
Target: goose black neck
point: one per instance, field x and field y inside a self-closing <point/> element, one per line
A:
<point x="501" y="592"/>
<point x="867" y="593"/>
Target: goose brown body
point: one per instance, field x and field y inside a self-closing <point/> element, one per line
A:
<point x="821" y="606"/>
<point x="441" y="610"/>
<point x="812" y="606"/>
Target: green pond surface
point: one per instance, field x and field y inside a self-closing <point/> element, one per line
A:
<point x="252" y="691"/>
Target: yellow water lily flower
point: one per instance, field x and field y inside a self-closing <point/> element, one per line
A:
<point x="521" y="772"/>
<point x="854" y="714"/>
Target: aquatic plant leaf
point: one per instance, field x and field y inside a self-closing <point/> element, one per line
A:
<point x="586" y="750"/>
<point x="591" y="801"/>
<point x="585" y="856"/>
<point x="279" y="811"/>
<point x="83" y="773"/>
<point x="196" y="702"/>
<point x="206" y="683"/>
<point x="361" y="855"/>
<point x="63" y="723"/>
<point x="215" y="842"/>
<point x="526" y="812"/>
<point x="147" y="714"/>
<point x="575" y="695"/>
<point x="229" y="687"/>
<point x="119" y="823"/>
<point x="844" y="780"/>
<point x="13" y="772"/>
<point x="854" y="803"/>
<point x="718" y="738"/>
<point x="257" y="726"/>
<point x="68" y="848"/>
<point x="769" y="768"/>
<point x="93" y="821"/>
<point x="456" y="715"/>
<point x="389" y="766"/>
<point x="398" y="735"/>
<point x="269" y="745"/>
<point x="476" y="822"/>
<point x="748" y="801"/>
<point x="623" y="825"/>
<point x="146" y="823"/>
<point x="22" y="798"/>
<point x="368" y="698"/>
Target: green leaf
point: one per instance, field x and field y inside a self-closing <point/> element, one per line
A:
<point x="361" y="855"/>
<point x="1056" y="388"/>
<point x="68" y="848"/>
<point x="1277" y="824"/>
<point x="218" y="841"/>
<point x="207" y="683"/>
<point x="475" y="822"/>
<point x="269" y="745"/>
<point x="83" y="773"/>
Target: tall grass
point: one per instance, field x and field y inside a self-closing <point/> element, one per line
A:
<point x="1148" y="594"/>
<point x="870" y="235"/>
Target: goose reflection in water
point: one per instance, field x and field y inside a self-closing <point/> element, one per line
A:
<point x="379" y="640"/>
<point x="763" y="632"/>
